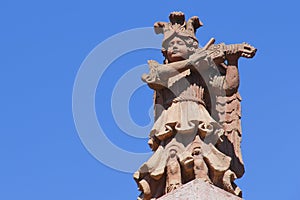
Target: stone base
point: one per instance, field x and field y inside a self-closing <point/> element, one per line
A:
<point x="198" y="189"/>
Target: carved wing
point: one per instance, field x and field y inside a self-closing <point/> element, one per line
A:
<point x="157" y="87"/>
<point x="226" y="109"/>
<point x="228" y="103"/>
<point x="229" y="110"/>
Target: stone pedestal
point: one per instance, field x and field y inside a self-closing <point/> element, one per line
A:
<point x="199" y="190"/>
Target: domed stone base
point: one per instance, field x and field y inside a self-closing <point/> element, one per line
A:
<point x="199" y="190"/>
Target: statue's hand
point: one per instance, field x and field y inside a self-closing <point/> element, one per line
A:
<point x="200" y="54"/>
<point x="199" y="60"/>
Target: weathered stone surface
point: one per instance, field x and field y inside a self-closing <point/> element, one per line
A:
<point x="199" y="190"/>
<point x="197" y="130"/>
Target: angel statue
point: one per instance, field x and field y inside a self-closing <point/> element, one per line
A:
<point x="197" y="130"/>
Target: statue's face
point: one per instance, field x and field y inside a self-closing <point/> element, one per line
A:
<point x="177" y="50"/>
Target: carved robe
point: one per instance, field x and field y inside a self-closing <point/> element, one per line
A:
<point x="181" y="121"/>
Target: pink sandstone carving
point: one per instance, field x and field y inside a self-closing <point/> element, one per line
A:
<point x="197" y="130"/>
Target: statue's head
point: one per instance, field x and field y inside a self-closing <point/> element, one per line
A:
<point x="178" y="48"/>
<point x="179" y="36"/>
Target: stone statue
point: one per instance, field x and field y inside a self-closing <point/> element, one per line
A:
<point x="197" y="130"/>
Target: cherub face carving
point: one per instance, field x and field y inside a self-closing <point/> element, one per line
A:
<point x="177" y="50"/>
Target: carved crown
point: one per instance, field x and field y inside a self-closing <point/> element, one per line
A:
<point x="178" y="26"/>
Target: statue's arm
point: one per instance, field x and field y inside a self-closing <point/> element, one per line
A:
<point x="168" y="70"/>
<point x="230" y="53"/>
<point x="160" y="73"/>
<point x="232" y="78"/>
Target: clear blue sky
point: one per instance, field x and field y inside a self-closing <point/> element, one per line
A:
<point x="43" y="44"/>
